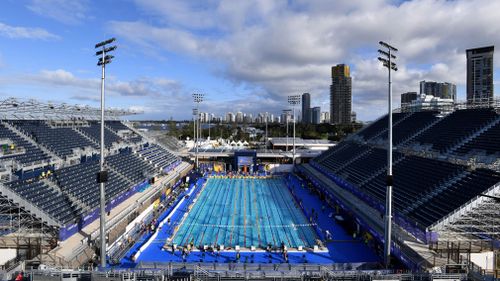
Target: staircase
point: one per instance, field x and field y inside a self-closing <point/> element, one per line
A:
<point x="85" y="136"/>
<point x="407" y="140"/>
<point x="120" y="175"/>
<point x="73" y="199"/>
<point x="385" y="129"/>
<point x="380" y="171"/>
<point x="435" y="192"/>
<point x="353" y="159"/>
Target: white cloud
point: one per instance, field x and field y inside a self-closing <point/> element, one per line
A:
<point x="288" y="47"/>
<point x="18" y="32"/>
<point x="65" y="11"/>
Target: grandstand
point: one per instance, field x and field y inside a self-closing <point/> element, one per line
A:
<point x="444" y="162"/>
<point x="49" y="191"/>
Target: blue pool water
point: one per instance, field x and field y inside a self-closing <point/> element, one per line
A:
<point x="245" y="212"/>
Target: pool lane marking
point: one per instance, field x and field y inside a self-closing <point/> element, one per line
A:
<point x="195" y="215"/>
<point x="292" y="209"/>
<point x="244" y="215"/>
<point x="211" y="212"/>
<point x="265" y="192"/>
<point x="221" y="210"/>
<point x="256" y="210"/>
<point x="279" y="214"/>
<point x="232" y="217"/>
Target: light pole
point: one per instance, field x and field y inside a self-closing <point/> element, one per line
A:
<point x="102" y="176"/>
<point x="293" y="100"/>
<point x="387" y="58"/>
<point x="198" y="98"/>
<point x="286" y="121"/>
<point x="265" y="116"/>
<point x="195" y="112"/>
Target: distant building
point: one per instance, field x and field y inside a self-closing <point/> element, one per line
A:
<point x="443" y="90"/>
<point x="408" y="98"/>
<point x="341" y="95"/>
<point x="230" y="117"/>
<point x="316" y="115"/>
<point x="353" y="116"/>
<point x="325" y="117"/>
<point x="306" y="108"/>
<point x="239" y="117"/>
<point x="286" y="116"/>
<point x="480" y="74"/>
<point x="429" y="102"/>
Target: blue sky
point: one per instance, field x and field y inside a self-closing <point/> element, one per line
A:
<point x="244" y="55"/>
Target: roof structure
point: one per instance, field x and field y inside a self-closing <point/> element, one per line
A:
<point x="31" y="109"/>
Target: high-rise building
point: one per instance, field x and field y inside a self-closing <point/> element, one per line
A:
<point x="443" y="90"/>
<point x="230" y="117"/>
<point x="286" y="116"/>
<point x="341" y="95"/>
<point x="239" y="117"/>
<point x="408" y="97"/>
<point x="316" y="115"/>
<point x="480" y="74"/>
<point x="306" y="108"/>
<point x="325" y="117"/>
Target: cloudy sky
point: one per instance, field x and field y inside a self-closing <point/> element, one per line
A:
<point x="244" y="55"/>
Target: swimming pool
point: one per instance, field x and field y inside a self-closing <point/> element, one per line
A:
<point x="245" y="212"/>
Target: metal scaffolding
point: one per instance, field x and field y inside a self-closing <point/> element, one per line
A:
<point x="31" y="109"/>
<point x="476" y="220"/>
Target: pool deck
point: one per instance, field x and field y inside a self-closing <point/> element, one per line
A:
<point x="343" y="248"/>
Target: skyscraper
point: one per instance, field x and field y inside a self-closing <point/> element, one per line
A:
<point x="306" y="108"/>
<point x="480" y="74"/>
<point x="316" y="115"/>
<point x="443" y="90"/>
<point x="341" y="95"/>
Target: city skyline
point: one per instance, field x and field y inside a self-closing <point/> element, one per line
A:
<point x="243" y="55"/>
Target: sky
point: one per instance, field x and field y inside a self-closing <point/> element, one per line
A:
<point x="244" y="55"/>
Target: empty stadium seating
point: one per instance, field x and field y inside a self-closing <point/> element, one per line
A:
<point x="131" y="166"/>
<point x="367" y="165"/>
<point x="413" y="177"/>
<point x="32" y="153"/>
<point x="471" y="185"/>
<point x="488" y="143"/>
<point x="458" y="125"/>
<point x="157" y="155"/>
<point x="94" y="132"/>
<point x="410" y="126"/>
<point x="427" y="186"/>
<point x="80" y="181"/>
<point x="380" y="125"/>
<point x="53" y="202"/>
<point x="61" y="141"/>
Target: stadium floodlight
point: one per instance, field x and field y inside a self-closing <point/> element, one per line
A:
<point x="293" y="100"/>
<point x="104" y="43"/>
<point x="197" y="98"/>
<point x="102" y="176"/>
<point x="386" y="59"/>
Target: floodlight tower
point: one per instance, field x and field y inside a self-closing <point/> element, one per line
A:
<point x="198" y="98"/>
<point x="293" y="100"/>
<point x="387" y="58"/>
<point x="102" y="176"/>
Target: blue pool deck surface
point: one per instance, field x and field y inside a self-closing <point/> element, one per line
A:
<point x="237" y="212"/>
